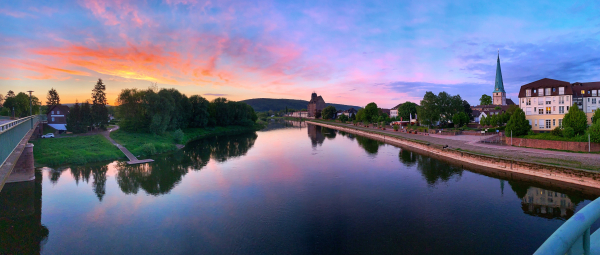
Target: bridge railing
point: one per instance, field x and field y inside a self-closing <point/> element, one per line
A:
<point x="573" y="237"/>
<point x="11" y="133"/>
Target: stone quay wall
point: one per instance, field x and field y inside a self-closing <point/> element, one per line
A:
<point x="549" y="144"/>
<point x="575" y="179"/>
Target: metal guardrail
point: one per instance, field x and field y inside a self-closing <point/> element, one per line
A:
<point x="573" y="237"/>
<point x="11" y="133"/>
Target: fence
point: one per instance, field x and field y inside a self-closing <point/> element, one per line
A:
<point x="11" y="133"/>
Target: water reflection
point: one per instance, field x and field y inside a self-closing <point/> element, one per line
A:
<point x="434" y="171"/>
<point x="315" y="134"/>
<point x="275" y="124"/>
<point x="161" y="176"/>
<point x="21" y="229"/>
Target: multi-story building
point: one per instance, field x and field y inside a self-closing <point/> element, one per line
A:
<point x="545" y="103"/>
<point x="316" y="105"/>
<point x="394" y="111"/>
<point x="587" y="97"/>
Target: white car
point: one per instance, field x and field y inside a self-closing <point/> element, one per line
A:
<point x="49" y="135"/>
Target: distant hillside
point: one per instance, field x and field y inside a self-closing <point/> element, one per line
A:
<point x="266" y="104"/>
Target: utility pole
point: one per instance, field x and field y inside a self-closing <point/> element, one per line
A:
<point x="30" y="108"/>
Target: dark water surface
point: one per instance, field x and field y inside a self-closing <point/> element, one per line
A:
<point x="291" y="189"/>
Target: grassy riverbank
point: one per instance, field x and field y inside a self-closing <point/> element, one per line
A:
<point x="74" y="150"/>
<point x="145" y="144"/>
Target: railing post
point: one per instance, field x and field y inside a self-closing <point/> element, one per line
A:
<point x="586" y="242"/>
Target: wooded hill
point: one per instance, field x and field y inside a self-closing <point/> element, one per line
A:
<point x="266" y="104"/>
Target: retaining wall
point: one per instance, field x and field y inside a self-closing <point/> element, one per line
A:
<point x="549" y="144"/>
<point x="577" y="179"/>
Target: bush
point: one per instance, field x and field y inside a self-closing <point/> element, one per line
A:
<point x="596" y="116"/>
<point x="178" y="136"/>
<point x="557" y="131"/>
<point x="595" y="131"/>
<point x="396" y="127"/>
<point x="568" y="132"/>
<point x="149" y="149"/>
<point x="530" y="132"/>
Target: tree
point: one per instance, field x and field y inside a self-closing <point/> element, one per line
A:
<point x="9" y="94"/>
<point x="429" y="112"/>
<point x="99" y="111"/>
<point x="460" y="119"/>
<point x="575" y="119"/>
<point x="482" y="121"/>
<point x="485" y="100"/>
<point x="343" y="118"/>
<point x="328" y="112"/>
<point x="518" y="124"/>
<point x="53" y="98"/>
<point x="406" y="109"/>
<point x="371" y="112"/>
<point x="449" y="105"/>
<point x="467" y="109"/>
<point x="1" y="100"/>
<point x="596" y="116"/>
<point x="200" y="115"/>
<point x="595" y="131"/>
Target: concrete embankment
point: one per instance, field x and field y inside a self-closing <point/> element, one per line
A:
<point x="549" y="175"/>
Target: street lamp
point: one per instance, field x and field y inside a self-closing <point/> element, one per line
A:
<point x="30" y="108"/>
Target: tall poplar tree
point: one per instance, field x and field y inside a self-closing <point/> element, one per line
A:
<point x="99" y="111"/>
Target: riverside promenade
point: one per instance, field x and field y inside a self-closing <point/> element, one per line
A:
<point x="587" y="161"/>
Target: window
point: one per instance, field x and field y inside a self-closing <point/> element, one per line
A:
<point x="57" y="112"/>
<point x="541" y="92"/>
<point x="528" y="92"/>
<point x="530" y="124"/>
<point x="541" y="124"/>
<point x="528" y="112"/>
<point x="540" y="101"/>
<point x="541" y="111"/>
<point x="52" y="112"/>
<point x="567" y="109"/>
<point x="589" y="92"/>
<point x="52" y="119"/>
<point x="594" y="93"/>
<point x="553" y="122"/>
<point x="561" y="90"/>
<point x="560" y="122"/>
<point x="561" y="109"/>
<point x="548" y="100"/>
<point x="553" y="89"/>
<point x="593" y="101"/>
<point x="561" y="100"/>
<point x="588" y="99"/>
<point x="528" y="101"/>
<point x="548" y="110"/>
<point x="547" y="91"/>
<point x="548" y="124"/>
<point x="535" y="122"/>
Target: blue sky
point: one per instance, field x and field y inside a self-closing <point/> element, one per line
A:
<point x="351" y="52"/>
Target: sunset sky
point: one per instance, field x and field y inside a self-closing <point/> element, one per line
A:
<point x="351" y="52"/>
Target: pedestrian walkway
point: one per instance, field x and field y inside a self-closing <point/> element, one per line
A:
<point x="132" y="159"/>
<point x="471" y="143"/>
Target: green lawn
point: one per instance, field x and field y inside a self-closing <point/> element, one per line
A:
<point x="137" y="143"/>
<point x="74" y="150"/>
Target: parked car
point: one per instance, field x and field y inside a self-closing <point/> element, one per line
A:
<point x="49" y="135"/>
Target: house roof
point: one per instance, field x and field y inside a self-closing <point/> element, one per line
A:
<point x="59" y="107"/>
<point x="475" y="113"/>
<point x="587" y="87"/>
<point x="545" y="83"/>
<point x="316" y="99"/>
<point x="509" y="101"/>
<point x="386" y="111"/>
<point x="397" y="106"/>
<point x="351" y="110"/>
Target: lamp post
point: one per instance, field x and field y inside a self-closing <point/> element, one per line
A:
<point x="30" y="108"/>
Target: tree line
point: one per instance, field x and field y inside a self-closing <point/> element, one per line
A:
<point x="442" y="108"/>
<point x="88" y="115"/>
<point x="19" y="103"/>
<point x="157" y="111"/>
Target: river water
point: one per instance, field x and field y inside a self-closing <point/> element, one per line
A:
<point x="289" y="189"/>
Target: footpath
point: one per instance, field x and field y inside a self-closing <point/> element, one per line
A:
<point x="587" y="161"/>
<point x="132" y="159"/>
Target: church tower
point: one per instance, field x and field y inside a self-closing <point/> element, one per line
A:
<point x="499" y="97"/>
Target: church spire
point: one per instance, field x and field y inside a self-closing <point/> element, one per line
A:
<point x="499" y="87"/>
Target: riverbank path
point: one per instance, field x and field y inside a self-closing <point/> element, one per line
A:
<point x="132" y="159"/>
<point x="590" y="161"/>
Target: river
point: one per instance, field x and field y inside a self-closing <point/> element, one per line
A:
<point x="289" y="189"/>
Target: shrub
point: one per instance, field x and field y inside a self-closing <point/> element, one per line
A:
<point x="178" y="136"/>
<point x="596" y="116"/>
<point x="396" y="127"/>
<point x="149" y="149"/>
<point x="557" y="131"/>
<point x="530" y="132"/>
<point x="595" y="131"/>
<point x="568" y="132"/>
